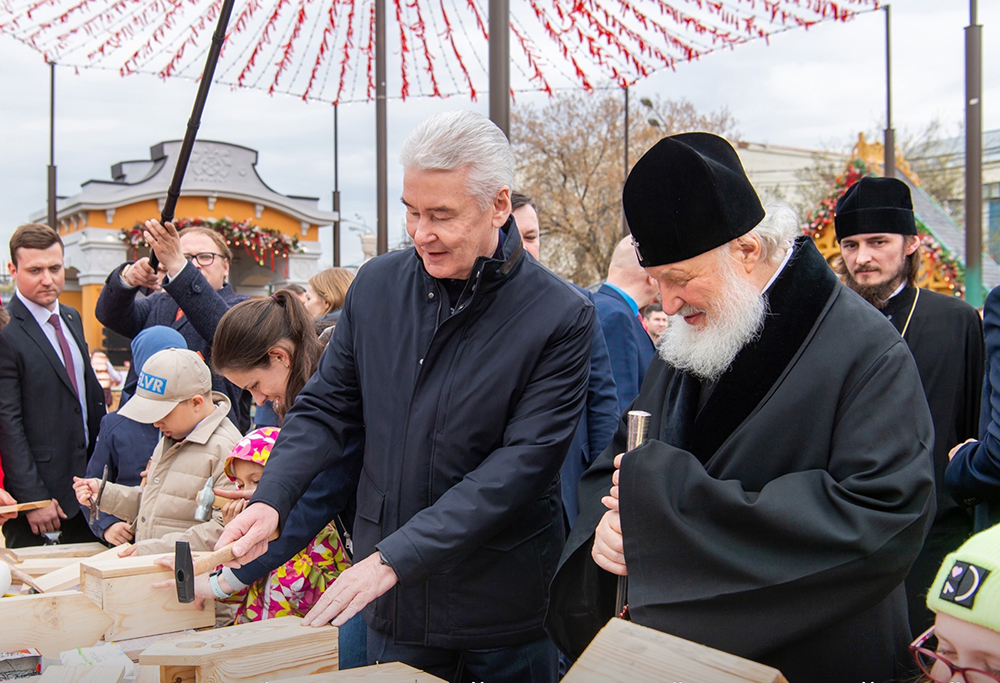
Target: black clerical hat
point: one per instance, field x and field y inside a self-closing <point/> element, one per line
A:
<point x="688" y="195"/>
<point x="875" y="205"/>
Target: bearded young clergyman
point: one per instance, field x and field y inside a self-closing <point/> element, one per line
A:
<point x="880" y="250"/>
<point x="787" y="484"/>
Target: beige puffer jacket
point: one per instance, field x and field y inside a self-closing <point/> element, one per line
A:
<point x="163" y="511"/>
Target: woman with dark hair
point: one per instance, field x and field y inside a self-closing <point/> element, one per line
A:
<point x="269" y="347"/>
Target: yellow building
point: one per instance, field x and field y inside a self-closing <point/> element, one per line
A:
<point x="221" y="183"/>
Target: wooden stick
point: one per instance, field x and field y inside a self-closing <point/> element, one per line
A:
<point x="24" y="507"/>
<point x="206" y="563"/>
<point x="21" y="577"/>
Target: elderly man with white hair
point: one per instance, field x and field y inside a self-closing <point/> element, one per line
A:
<point x="786" y="486"/>
<point x="464" y="366"/>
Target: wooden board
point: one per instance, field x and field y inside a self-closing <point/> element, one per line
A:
<point x="25" y="507"/>
<point x="40" y="566"/>
<point x="69" y="576"/>
<point x="260" y="651"/>
<point x="123" y="588"/>
<point x="17" y="576"/>
<point x="65" y="550"/>
<point x="624" y="652"/>
<point x="51" y="622"/>
<point x="82" y="674"/>
<point x="147" y="674"/>
<point x="390" y="672"/>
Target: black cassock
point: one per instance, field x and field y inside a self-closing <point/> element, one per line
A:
<point x="778" y="521"/>
<point x="945" y="336"/>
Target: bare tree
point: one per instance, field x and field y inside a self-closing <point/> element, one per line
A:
<point x="571" y="161"/>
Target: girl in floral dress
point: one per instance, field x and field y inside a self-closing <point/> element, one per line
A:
<point x="293" y="588"/>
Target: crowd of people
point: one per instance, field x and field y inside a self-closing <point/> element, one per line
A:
<point x="438" y="463"/>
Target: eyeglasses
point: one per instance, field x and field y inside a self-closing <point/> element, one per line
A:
<point x="206" y="258"/>
<point x="939" y="669"/>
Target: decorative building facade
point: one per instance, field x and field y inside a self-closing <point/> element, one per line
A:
<point x="274" y="237"/>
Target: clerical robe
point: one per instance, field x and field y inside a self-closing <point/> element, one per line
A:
<point x="945" y="336"/>
<point x="778" y="520"/>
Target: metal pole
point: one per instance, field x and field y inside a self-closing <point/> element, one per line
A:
<point x="52" y="148"/>
<point x="336" y="195"/>
<point x="625" y="232"/>
<point x="500" y="64"/>
<point x="889" y="170"/>
<point x="973" y="160"/>
<point x="382" y="226"/>
<point x="187" y="146"/>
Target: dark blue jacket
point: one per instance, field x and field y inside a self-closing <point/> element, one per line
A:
<point x="973" y="475"/>
<point x="629" y="344"/>
<point x="597" y="424"/>
<point x="467" y="417"/>
<point x="125" y="446"/>
<point x="118" y="309"/>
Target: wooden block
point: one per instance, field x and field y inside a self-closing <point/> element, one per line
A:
<point x="67" y="550"/>
<point x="260" y="651"/>
<point x="133" y="647"/>
<point x="40" y="566"/>
<point x="69" y="576"/>
<point x="122" y="587"/>
<point x="51" y="622"/>
<point x="390" y="672"/>
<point x="624" y="652"/>
<point x="147" y="674"/>
<point x="82" y="674"/>
<point x="24" y="507"/>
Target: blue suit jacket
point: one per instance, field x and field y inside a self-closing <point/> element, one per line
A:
<point x="597" y="424"/>
<point x="629" y="345"/>
<point x="973" y="475"/>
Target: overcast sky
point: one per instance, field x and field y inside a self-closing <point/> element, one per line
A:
<point x="812" y="89"/>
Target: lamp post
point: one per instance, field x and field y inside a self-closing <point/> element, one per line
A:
<point x="52" y="148"/>
<point x="973" y="160"/>
<point x="500" y="64"/>
<point x="889" y="164"/>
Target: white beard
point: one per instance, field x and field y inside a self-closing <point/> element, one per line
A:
<point x="707" y="352"/>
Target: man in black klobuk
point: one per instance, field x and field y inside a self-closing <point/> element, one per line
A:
<point x="881" y="260"/>
<point x="787" y="484"/>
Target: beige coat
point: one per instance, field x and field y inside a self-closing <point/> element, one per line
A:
<point x="163" y="510"/>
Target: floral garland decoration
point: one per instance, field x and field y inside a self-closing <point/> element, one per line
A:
<point x="261" y="244"/>
<point x="937" y="254"/>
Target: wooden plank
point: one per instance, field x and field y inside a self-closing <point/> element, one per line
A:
<point x="624" y="652"/>
<point x="390" y="672"/>
<point x="256" y="652"/>
<point x="69" y="576"/>
<point x="147" y="674"/>
<point x="82" y="674"/>
<point x="133" y="647"/>
<point x="17" y="576"/>
<point x="40" y="566"/>
<point x="123" y="588"/>
<point x="63" y="550"/>
<point x="51" y="622"/>
<point x="25" y="507"/>
<point x="110" y="566"/>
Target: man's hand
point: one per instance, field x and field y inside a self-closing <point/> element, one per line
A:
<point x="250" y="530"/>
<point x="118" y="533"/>
<point x="45" y="520"/>
<point x="609" y="545"/>
<point x="141" y="274"/>
<point x="7" y="499"/>
<point x="86" y="489"/>
<point x="953" y="451"/>
<point x="166" y="245"/>
<point x="352" y="590"/>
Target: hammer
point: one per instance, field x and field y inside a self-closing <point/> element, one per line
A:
<point x="186" y="568"/>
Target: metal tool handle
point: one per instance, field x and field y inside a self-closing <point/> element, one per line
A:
<point x="638" y="430"/>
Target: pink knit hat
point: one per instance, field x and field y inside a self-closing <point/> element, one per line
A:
<point x="255" y="447"/>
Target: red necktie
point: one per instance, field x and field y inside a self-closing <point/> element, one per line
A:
<point x="64" y="345"/>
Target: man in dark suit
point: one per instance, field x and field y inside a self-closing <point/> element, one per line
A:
<point x="619" y="301"/>
<point x="194" y="297"/>
<point x="51" y="403"/>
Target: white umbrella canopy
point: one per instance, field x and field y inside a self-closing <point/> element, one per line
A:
<point x="325" y="49"/>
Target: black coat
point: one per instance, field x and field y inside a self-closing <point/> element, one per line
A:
<point x="41" y="434"/>
<point x="467" y="418"/>
<point x="120" y="310"/>
<point x="779" y="521"/>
